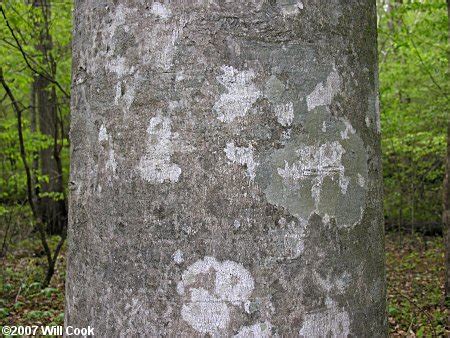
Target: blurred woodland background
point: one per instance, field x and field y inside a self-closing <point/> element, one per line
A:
<point x="35" y="72"/>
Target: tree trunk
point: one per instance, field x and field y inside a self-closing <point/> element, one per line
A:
<point x="225" y="174"/>
<point x="53" y="211"/>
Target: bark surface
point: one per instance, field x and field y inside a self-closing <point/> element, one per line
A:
<point x="225" y="174"/>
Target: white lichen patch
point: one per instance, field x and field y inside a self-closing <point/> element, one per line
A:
<point x="361" y="181"/>
<point x="160" y="10"/>
<point x="332" y="321"/>
<point x="242" y="156"/>
<point x="294" y="240"/>
<point x="119" y="19"/>
<point x="118" y="93"/>
<point x="114" y="63"/>
<point x="164" y="56"/>
<point x="156" y="165"/>
<point x="286" y="136"/>
<point x="106" y="141"/>
<point x="207" y="309"/>
<point x="119" y="67"/>
<point x="236" y="224"/>
<point x="337" y="284"/>
<point x="316" y="163"/>
<point x="102" y="134"/>
<point x="293" y="235"/>
<point x="128" y="97"/>
<point x="178" y="256"/>
<point x="343" y="183"/>
<point x="285" y="113"/>
<point x="291" y="9"/>
<point x="205" y="312"/>
<point x="241" y="93"/>
<point x="179" y="76"/>
<point x="324" y="92"/>
<point x="348" y="129"/>
<point x="125" y="93"/>
<point x="158" y="44"/>
<point x="259" y="330"/>
<point x="233" y="283"/>
<point x="111" y="163"/>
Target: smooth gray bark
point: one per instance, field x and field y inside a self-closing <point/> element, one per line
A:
<point x="225" y="175"/>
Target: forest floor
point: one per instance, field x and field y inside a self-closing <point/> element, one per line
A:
<point x="415" y="275"/>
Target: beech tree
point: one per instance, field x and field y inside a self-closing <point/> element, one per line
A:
<point x="225" y="169"/>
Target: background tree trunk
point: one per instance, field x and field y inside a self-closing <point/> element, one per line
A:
<point x="225" y="174"/>
<point x="53" y="211"/>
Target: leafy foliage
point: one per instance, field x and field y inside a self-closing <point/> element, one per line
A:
<point x="24" y="20"/>
<point x="35" y="76"/>
<point x="415" y="103"/>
